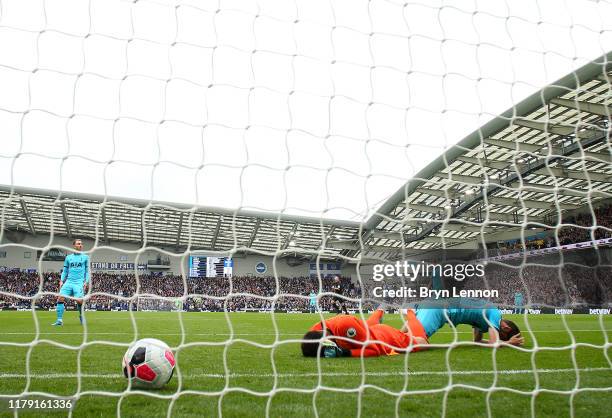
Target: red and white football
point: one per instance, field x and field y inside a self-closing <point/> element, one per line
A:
<point x="148" y="364"/>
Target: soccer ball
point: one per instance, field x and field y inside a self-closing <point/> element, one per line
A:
<point x="148" y="364"/>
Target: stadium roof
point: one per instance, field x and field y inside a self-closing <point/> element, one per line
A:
<point x="548" y="154"/>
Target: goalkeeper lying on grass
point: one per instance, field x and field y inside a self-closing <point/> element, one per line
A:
<point x="348" y="336"/>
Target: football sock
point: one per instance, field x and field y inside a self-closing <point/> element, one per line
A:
<point x="376" y="317"/>
<point x="414" y="325"/>
<point x="60" y="311"/>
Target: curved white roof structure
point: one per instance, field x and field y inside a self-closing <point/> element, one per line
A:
<point x="548" y="154"/>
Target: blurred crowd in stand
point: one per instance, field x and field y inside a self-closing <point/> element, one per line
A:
<point x="569" y="285"/>
<point x="574" y="229"/>
<point x="118" y="291"/>
<point x="564" y="285"/>
<point x="582" y="231"/>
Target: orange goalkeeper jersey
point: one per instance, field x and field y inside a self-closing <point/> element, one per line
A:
<point x="365" y="338"/>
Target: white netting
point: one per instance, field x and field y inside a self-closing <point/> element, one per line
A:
<point x="312" y="108"/>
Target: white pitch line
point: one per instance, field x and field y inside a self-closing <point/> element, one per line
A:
<point x="263" y="334"/>
<point x="186" y="316"/>
<point x="292" y="375"/>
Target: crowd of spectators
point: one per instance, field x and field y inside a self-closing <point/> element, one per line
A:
<point x="125" y="291"/>
<point x="518" y="245"/>
<point x="561" y="286"/>
<point x="581" y="228"/>
<point x="565" y="286"/>
<point x="574" y="229"/>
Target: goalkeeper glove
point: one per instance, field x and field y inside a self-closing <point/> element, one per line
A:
<point x="330" y="349"/>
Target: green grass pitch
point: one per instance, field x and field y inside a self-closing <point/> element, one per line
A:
<point x="245" y="364"/>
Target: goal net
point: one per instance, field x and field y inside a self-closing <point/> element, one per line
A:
<point x="247" y="170"/>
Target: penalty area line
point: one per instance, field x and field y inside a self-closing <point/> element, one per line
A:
<point x="334" y="374"/>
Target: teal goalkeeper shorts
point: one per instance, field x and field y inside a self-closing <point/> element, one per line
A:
<point x="74" y="290"/>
